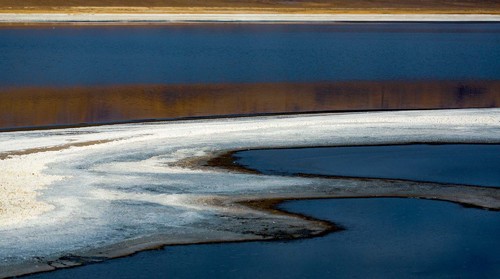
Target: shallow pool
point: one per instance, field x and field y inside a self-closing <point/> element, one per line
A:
<point x="385" y="238"/>
<point x="468" y="164"/>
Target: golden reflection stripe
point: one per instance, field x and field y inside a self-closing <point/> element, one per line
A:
<point x="46" y="106"/>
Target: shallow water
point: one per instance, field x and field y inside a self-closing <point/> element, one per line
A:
<point x="221" y="53"/>
<point x="385" y="238"/>
<point x="469" y="164"/>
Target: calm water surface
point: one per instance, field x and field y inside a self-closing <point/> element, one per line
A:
<point x="93" y="74"/>
<point x="55" y="56"/>
<point x="385" y="238"/>
<point x="469" y="164"/>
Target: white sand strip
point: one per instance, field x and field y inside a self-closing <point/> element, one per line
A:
<point x="19" y="185"/>
<point x="22" y="177"/>
<point x="131" y="186"/>
<point x="56" y="17"/>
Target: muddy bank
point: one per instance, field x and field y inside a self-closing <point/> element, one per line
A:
<point x="35" y="107"/>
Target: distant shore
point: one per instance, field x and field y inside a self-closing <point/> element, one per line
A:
<point x="36" y="18"/>
<point x="34" y="11"/>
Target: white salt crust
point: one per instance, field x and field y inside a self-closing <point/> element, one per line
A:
<point x="57" y="202"/>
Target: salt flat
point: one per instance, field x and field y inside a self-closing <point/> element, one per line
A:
<point x="235" y="17"/>
<point x="87" y="194"/>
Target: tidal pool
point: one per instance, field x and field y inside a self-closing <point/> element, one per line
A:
<point x="389" y="238"/>
<point x="469" y="164"/>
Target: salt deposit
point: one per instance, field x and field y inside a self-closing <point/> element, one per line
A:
<point x="235" y="17"/>
<point x="128" y="186"/>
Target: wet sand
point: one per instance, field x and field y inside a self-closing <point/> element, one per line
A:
<point x="30" y="107"/>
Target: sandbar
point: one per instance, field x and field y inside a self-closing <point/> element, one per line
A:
<point x="38" y="18"/>
<point x="144" y="185"/>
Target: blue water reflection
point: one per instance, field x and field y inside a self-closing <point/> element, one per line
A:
<point x="385" y="238"/>
<point x="247" y="53"/>
<point x="469" y="164"/>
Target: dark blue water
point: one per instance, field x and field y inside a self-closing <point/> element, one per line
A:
<point x="469" y="164"/>
<point x="385" y="238"/>
<point x="247" y="53"/>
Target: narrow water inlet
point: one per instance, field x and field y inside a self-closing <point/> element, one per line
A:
<point x="466" y="164"/>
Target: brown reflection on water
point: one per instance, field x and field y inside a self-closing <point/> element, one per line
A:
<point x="36" y="106"/>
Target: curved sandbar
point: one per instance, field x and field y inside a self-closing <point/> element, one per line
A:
<point x="134" y="191"/>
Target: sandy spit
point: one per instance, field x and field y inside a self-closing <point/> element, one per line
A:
<point x="172" y="18"/>
<point x="133" y="190"/>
